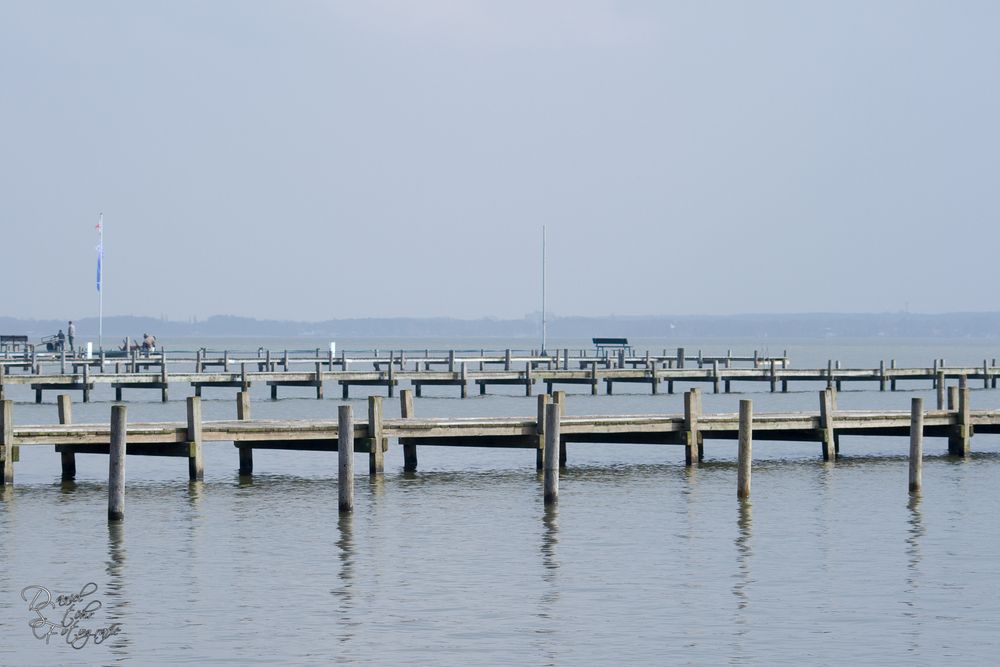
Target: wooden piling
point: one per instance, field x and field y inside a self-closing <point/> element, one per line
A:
<point x="826" y="424"/>
<point x="6" y="443"/>
<point x="715" y="376"/>
<point x="406" y="412"/>
<point x="319" y="379"/>
<point x="551" y="477"/>
<point x="66" y="417"/>
<point x="86" y="383"/>
<point x="376" y="459"/>
<point x="116" y="464"/>
<point x="941" y="386"/>
<point x="164" y="377"/>
<point x="745" y="450"/>
<point x="243" y="414"/>
<point x="543" y="401"/>
<point x="881" y="375"/>
<point x="345" y="458"/>
<point x="959" y="441"/>
<point x="196" y="469"/>
<point x="916" y="444"/>
<point x="692" y="412"/>
<point x="559" y="398"/>
<point x="952" y="397"/>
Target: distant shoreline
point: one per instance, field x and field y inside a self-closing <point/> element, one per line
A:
<point x="680" y="327"/>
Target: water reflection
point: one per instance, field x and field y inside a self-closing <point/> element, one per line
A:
<point x="344" y="592"/>
<point x="547" y="629"/>
<point x="914" y="556"/>
<point x="744" y="552"/>
<point x="115" y="598"/>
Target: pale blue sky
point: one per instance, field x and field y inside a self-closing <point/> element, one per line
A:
<point x="310" y="160"/>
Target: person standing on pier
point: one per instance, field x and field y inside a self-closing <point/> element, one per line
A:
<point x="71" y="335"/>
<point x="61" y="340"/>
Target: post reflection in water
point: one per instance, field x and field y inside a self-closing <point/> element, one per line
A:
<point x="914" y="557"/>
<point x="545" y="631"/>
<point x="116" y="601"/>
<point x="344" y="593"/>
<point x="744" y="552"/>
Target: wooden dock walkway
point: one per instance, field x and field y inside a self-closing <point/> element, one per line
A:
<point x="552" y="372"/>
<point x="689" y="430"/>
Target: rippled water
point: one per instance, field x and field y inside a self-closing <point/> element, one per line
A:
<point x="643" y="561"/>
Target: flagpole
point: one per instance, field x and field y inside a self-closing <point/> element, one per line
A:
<point x="543" y="290"/>
<point x="100" y="284"/>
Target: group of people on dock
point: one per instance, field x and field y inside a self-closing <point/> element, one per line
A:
<point x="148" y="344"/>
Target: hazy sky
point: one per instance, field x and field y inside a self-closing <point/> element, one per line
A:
<point x="311" y="160"/>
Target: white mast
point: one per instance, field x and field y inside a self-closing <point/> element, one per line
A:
<point x="100" y="282"/>
<point x="543" y="290"/>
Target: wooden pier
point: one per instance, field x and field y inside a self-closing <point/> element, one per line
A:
<point x="689" y="430"/>
<point x="552" y="372"/>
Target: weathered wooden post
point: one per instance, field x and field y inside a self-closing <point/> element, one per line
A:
<point x="319" y="379"/>
<point x="559" y="398"/>
<point x="66" y="417"/>
<point x="376" y="460"/>
<point x="406" y="412"/>
<point x="543" y="401"/>
<point x="6" y="443"/>
<point x="715" y="376"/>
<point x="986" y="375"/>
<point x="116" y="464"/>
<point x="451" y="361"/>
<point x="86" y="383"/>
<point x="196" y="470"/>
<point x="62" y="360"/>
<point x="506" y="359"/>
<point x="774" y="378"/>
<point x="164" y="377"/>
<point x="952" y="397"/>
<point x="345" y="458"/>
<point x="881" y="375"/>
<point x="465" y="380"/>
<point x="680" y="357"/>
<point x="692" y="412"/>
<point x="243" y="414"/>
<point x="197" y="361"/>
<point x="528" y="381"/>
<point x="745" y="450"/>
<point x="940" y="390"/>
<point x="284" y="362"/>
<point x="826" y="424"/>
<point x="390" y="378"/>
<point x="892" y="382"/>
<point x="958" y="442"/>
<point x="551" y="477"/>
<point x="593" y="378"/>
<point x="916" y="444"/>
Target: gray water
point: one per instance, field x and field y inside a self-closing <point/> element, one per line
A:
<point x="643" y="561"/>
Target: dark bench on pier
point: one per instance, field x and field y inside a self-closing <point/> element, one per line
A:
<point x="12" y="342"/>
<point x="603" y="344"/>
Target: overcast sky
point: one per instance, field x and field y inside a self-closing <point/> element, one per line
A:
<point x="311" y="160"/>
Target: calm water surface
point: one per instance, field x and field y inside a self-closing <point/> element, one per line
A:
<point x="642" y="562"/>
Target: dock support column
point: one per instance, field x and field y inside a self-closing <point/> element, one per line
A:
<point x="465" y="380"/>
<point x="551" y="477"/>
<point x="829" y="373"/>
<point x="66" y="417"/>
<point x="376" y="459"/>
<point x="986" y="375"/>
<point x="319" y="380"/>
<point x="654" y="379"/>
<point x="958" y="442"/>
<point x="406" y="412"/>
<point x="774" y="378"/>
<point x="826" y="425"/>
<point x="916" y="444"/>
<point x="6" y="443"/>
<point x="693" y="453"/>
<point x="680" y="357"/>
<point x="745" y="450"/>
<point x="164" y="377"/>
<point x="715" y="376"/>
<point x="391" y="389"/>
<point x="86" y="383"/>
<point x="940" y="390"/>
<point x="543" y="401"/>
<point x="116" y="464"/>
<point x="345" y="458"/>
<point x="593" y="378"/>
<point x="527" y="378"/>
<point x="243" y="414"/>
<point x="881" y="375"/>
<point x="559" y="398"/>
<point x="196" y="470"/>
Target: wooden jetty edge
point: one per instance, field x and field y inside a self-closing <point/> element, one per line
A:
<point x="462" y="371"/>
<point x="547" y="433"/>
